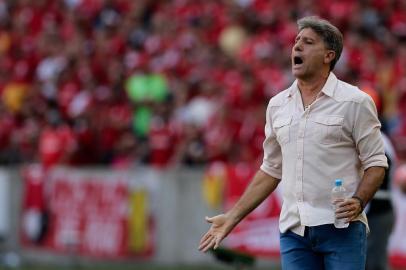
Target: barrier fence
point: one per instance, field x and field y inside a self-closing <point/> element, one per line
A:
<point x="141" y="214"/>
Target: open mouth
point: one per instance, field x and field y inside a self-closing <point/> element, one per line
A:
<point x="297" y="60"/>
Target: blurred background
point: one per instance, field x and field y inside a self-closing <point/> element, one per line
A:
<point x="124" y="122"/>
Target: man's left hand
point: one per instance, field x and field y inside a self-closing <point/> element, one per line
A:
<point x="349" y="210"/>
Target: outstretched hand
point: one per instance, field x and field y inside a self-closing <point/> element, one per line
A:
<point x="221" y="226"/>
<point x="257" y="191"/>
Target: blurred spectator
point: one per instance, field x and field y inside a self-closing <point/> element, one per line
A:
<point x="146" y="91"/>
<point x="193" y="148"/>
<point x="124" y="151"/>
<point x="400" y="177"/>
<point x="219" y="133"/>
<point x="164" y="136"/>
<point x="57" y="142"/>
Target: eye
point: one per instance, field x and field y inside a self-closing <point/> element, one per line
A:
<point x="308" y="41"/>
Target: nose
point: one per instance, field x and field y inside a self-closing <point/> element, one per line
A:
<point x="298" y="46"/>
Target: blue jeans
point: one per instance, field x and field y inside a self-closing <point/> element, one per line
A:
<point x="325" y="247"/>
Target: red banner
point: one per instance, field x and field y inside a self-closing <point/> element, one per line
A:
<point x="87" y="213"/>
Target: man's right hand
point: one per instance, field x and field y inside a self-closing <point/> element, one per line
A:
<point x="221" y="226"/>
<point x="257" y="191"/>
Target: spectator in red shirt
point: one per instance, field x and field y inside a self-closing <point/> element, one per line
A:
<point x="57" y="142"/>
<point x="164" y="136"/>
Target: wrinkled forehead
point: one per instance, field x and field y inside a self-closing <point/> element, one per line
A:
<point x="308" y="33"/>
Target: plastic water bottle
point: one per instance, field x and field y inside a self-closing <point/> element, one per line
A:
<point x="338" y="195"/>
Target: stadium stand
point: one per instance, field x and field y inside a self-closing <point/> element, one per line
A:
<point x="168" y="82"/>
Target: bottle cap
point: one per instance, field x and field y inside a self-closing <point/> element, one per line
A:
<point x="338" y="182"/>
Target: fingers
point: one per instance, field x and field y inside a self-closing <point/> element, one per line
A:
<point x="210" y="240"/>
<point x="207" y="244"/>
<point x="348" y="205"/>
<point x="348" y="209"/>
<point x="209" y="219"/>
<point x="215" y="234"/>
<point x="217" y="242"/>
<point x="204" y="238"/>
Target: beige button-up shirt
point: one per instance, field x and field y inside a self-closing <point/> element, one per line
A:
<point x="337" y="136"/>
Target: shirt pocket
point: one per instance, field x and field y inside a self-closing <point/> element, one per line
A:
<point x="328" y="129"/>
<point x="282" y="129"/>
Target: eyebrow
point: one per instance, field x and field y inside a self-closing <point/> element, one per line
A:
<point x="305" y="38"/>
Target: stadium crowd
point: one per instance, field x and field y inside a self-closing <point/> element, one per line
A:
<point x="173" y="82"/>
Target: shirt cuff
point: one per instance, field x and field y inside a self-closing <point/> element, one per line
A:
<point x="271" y="170"/>
<point x="376" y="161"/>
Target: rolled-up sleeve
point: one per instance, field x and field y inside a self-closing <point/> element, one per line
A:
<point x="272" y="162"/>
<point x="367" y="135"/>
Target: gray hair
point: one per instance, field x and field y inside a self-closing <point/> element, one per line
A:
<point x="332" y="37"/>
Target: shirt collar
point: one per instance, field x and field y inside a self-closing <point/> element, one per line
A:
<point x="328" y="88"/>
<point x="330" y="85"/>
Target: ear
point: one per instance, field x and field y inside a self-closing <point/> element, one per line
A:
<point x="329" y="56"/>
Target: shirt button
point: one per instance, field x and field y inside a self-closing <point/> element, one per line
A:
<point x="299" y="200"/>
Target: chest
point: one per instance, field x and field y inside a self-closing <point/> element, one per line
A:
<point x="323" y="122"/>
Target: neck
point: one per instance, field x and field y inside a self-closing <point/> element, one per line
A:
<point x="312" y="86"/>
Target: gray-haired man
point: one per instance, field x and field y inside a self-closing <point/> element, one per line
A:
<point x="317" y="130"/>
